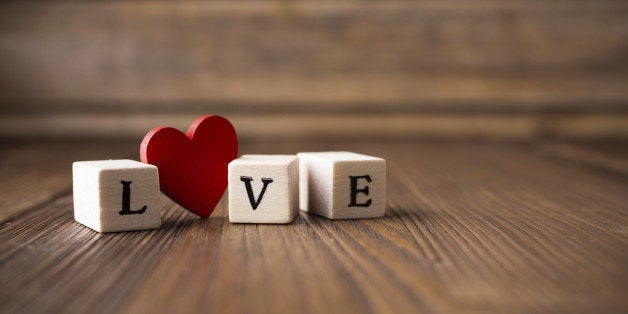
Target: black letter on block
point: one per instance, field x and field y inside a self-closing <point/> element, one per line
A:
<point x="355" y="191"/>
<point x="249" y="190"/>
<point x="126" y="200"/>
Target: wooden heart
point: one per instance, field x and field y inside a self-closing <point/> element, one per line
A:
<point x="193" y="168"/>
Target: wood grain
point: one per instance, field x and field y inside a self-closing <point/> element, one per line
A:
<point x="190" y="50"/>
<point x="36" y="172"/>
<point x="470" y="227"/>
<point x="435" y="69"/>
<point x="313" y="127"/>
<point x="611" y="156"/>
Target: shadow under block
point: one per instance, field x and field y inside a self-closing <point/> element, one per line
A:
<point x="116" y="195"/>
<point x="342" y="185"/>
<point x="264" y="189"/>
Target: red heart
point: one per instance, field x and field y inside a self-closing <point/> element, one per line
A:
<point x="193" y="168"/>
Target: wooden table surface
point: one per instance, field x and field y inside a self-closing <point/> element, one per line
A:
<point x="469" y="227"/>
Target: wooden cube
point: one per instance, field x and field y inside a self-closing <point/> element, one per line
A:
<point x="116" y="195"/>
<point x="342" y="185"/>
<point x="264" y="189"/>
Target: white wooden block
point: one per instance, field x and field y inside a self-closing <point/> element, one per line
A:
<point x="264" y="189"/>
<point x="342" y="185"/>
<point x="116" y="195"/>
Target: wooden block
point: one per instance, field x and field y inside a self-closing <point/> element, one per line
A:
<point x="116" y="195"/>
<point x="264" y="189"/>
<point x="342" y="185"/>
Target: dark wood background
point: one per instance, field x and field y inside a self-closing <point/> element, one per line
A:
<point x="493" y="69"/>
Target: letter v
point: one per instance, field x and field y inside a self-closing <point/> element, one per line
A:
<point x="249" y="190"/>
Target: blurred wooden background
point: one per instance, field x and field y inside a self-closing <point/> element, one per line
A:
<point x="316" y="69"/>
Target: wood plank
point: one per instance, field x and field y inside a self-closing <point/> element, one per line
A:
<point x="608" y="156"/>
<point x="344" y="92"/>
<point x="613" y="148"/>
<point x="470" y="227"/>
<point x="37" y="172"/>
<point x="313" y="127"/>
<point x="311" y="50"/>
<point x="310" y="127"/>
<point x="457" y="69"/>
